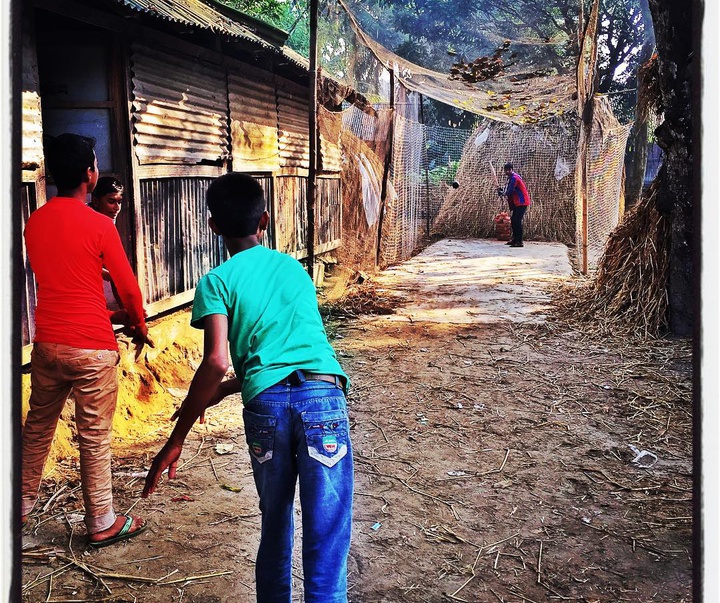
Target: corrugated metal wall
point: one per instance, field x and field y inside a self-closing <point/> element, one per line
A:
<point x="328" y="213"/>
<point x="291" y="215"/>
<point x="253" y="124"/>
<point x="290" y="212"/>
<point x="32" y="150"/>
<point x="179" y="245"/>
<point x="179" y="108"/>
<point x="293" y="124"/>
<point x="32" y="190"/>
<point x="266" y="181"/>
<point x="28" y="293"/>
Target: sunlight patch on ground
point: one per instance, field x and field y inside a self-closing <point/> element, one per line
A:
<point x="478" y="281"/>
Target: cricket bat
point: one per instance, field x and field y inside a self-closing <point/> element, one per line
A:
<point x="494" y="175"/>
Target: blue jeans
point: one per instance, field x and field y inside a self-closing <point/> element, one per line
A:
<point x="302" y="431"/>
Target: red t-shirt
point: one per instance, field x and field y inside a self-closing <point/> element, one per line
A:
<point x="67" y="245"/>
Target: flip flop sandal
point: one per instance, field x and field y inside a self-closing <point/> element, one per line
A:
<point x="123" y="534"/>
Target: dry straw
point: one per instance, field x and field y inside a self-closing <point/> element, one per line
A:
<point x="629" y="291"/>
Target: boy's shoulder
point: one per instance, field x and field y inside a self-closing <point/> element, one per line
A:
<point x="86" y="219"/>
<point x="258" y="258"/>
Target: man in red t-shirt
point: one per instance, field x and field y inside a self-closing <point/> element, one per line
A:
<point x="518" y="202"/>
<point x="74" y="349"/>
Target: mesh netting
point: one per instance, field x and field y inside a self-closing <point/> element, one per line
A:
<point x="543" y="154"/>
<point x="604" y="186"/>
<point x="405" y="182"/>
<point x="364" y="143"/>
<point x="424" y="161"/>
<point x="420" y="198"/>
<point x="522" y="76"/>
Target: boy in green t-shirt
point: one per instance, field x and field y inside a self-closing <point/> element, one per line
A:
<point x="264" y="304"/>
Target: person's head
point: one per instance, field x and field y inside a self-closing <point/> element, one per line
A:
<point x="71" y="161"/>
<point x="107" y="196"/>
<point x="237" y="206"/>
<point x="508" y="168"/>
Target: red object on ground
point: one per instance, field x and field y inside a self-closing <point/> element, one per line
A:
<point x="503" y="230"/>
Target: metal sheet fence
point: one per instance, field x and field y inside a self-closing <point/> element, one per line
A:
<point x="179" y="108"/>
<point x="28" y="292"/>
<point x="179" y="245"/>
<point x="291" y="215"/>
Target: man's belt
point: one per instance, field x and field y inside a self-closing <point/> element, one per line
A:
<point x="298" y="377"/>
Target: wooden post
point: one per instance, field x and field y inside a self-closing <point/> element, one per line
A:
<point x="313" y="142"/>
<point x="386" y="169"/>
<point x="584" y="221"/>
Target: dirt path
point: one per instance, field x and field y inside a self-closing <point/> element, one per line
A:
<point x="493" y="460"/>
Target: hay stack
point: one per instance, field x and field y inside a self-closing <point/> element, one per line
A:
<point x="629" y="290"/>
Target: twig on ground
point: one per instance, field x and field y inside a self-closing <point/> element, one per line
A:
<point x="200" y="447"/>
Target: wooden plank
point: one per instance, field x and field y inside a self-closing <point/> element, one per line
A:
<point x="319" y="249"/>
<point x="149" y="172"/>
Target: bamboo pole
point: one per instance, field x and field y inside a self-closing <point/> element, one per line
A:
<point x="386" y="170"/>
<point x="313" y="134"/>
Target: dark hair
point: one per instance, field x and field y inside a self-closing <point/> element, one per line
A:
<point x="236" y="203"/>
<point x="508" y="166"/>
<point x="68" y="157"/>
<point x="107" y="185"/>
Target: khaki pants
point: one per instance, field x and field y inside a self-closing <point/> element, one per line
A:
<point x="92" y="377"/>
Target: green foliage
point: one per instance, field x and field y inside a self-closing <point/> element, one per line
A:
<point x="625" y="40"/>
<point x="443" y="173"/>
<point x="447" y="30"/>
<point x="270" y="11"/>
<point x="289" y="15"/>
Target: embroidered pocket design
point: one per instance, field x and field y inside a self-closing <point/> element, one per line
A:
<point x="326" y="435"/>
<point x="260" y="435"/>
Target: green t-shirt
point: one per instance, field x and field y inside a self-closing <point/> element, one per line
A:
<point x="274" y="325"/>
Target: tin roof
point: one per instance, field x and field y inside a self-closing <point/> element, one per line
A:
<point x="207" y="14"/>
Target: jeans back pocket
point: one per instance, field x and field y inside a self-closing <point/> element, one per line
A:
<point x="327" y="435"/>
<point x="260" y="435"/>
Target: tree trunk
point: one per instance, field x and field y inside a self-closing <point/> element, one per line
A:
<point x="673" y="25"/>
<point x="637" y="162"/>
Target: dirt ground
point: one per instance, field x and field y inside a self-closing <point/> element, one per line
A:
<point x="495" y="453"/>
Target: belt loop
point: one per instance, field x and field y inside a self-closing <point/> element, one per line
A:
<point x="338" y="382"/>
<point x="300" y="376"/>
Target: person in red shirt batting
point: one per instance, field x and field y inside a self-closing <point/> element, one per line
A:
<point x="74" y="348"/>
<point x="518" y="202"/>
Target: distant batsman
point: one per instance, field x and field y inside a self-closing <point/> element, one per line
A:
<point x="518" y="202"/>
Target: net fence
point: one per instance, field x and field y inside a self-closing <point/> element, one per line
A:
<point x="543" y="154"/>
<point x="603" y="193"/>
<point x="406" y="183"/>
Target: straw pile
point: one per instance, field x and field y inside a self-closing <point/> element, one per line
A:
<point x="629" y="291"/>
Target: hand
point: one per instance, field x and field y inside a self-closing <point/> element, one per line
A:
<point x="120" y="317"/>
<point x="140" y="337"/>
<point x="167" y="458"/>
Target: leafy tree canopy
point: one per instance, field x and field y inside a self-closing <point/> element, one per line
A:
<point x="288" y="15"/>
<point x="437" y="33"/>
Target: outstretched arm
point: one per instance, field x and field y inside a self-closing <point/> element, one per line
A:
<point x="226" y="388"/>
<point x="202" y="391"/>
